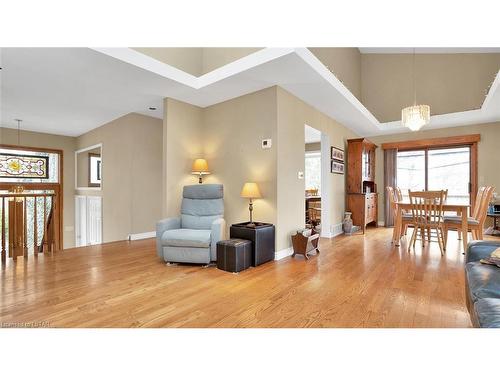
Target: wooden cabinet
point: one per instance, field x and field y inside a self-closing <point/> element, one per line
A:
<point x="361" y="187"/>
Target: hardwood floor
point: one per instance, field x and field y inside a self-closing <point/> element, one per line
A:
<point x="356" y="281"/>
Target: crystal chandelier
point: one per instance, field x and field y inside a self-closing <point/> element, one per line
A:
<point x="415" y="116"/>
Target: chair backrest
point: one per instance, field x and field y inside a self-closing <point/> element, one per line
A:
<point x="483" y="206"/>
<point x="392" y="196"/>
<point x="314" y="210"/>
<point x="427" y="206"/>
<point x="478" y="202"/>
<point x="201" y="205"/>
<point x="399" y="194"/>
<point x="445" y="193"/>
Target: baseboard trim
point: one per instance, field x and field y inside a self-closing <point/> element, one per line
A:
<point x="283" y="253"/>
<point x="381" y="223"/>
<point x="337" y="230"/>
<point x="141" y="236"/>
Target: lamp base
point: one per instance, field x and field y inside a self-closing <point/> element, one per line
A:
<point x="251" y="225"/>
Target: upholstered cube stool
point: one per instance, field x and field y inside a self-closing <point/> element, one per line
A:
<point x="234" y="255"/>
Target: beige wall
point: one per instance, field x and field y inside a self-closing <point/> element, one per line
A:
<point x="447" y="82"/>
<point x="488" y="153"/>
<point x="197" y="61"/>
<point x="214" y="58"/>
<point x="232" y="134"/>
<point x="345" y="63"/>
<point x="293" y="114"/>
<point x="183" y="58"/>
<point x="67" y="145"/>
<point x="182" y="143"/>
<point x="229" y="136"/>
<point x="131" y="174"/>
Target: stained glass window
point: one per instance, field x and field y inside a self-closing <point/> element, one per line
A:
<point x="26" y="166"/>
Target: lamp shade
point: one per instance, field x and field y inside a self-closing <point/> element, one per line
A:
<point x="250" y="190"/>
<point x="200" y="166"/>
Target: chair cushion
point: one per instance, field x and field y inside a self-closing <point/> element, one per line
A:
<point x="458" y="220"/>
<point x="200" y="213"/>
<point x="487" y="311"/>
<point x="203" y="191"/>
<point x="186" y="238"/>
<point x="483" y="280"/>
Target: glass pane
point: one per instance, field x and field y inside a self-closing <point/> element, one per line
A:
<point x="449" y="168"/>
<point x="313" y="171"/>
<point x="411" y="171"/>
<point x="27" y="165"/>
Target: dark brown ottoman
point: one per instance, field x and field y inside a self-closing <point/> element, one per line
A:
<point x="234" y="255"/>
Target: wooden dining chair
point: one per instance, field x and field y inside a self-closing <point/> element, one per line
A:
<point x="475" y="223"/>
<point x="401" y="219"/>
<point x="315" y="211"/>
<point x="427" y="213"/>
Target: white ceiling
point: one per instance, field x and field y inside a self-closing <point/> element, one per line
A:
<point x="70" y="91"/>
<point x="426" y="50"/>
<point x="312" y="135"/>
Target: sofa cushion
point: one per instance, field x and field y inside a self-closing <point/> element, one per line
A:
<point x="483" y="280"/>
<point x="186" y="238"/>
<point x="487" y="311"/>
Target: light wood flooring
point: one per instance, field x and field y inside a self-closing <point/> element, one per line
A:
<point x="356" y="281"/>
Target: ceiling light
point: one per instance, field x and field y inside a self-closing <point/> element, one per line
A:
<point x="416" y="116"/>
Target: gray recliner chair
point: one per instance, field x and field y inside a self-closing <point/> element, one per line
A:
<point x="193" y="237"/>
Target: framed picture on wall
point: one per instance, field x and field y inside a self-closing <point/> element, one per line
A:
<point x="337" y="154"/>
<point x="337" y="167"/>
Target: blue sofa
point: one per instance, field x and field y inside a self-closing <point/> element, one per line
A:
<point x="192" y="237"/>
<point x="482" y="285"/>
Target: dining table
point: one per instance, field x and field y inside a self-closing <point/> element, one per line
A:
<point x="449" y="205"/>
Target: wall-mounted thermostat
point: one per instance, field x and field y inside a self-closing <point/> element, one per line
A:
<point x="267" y="143"/>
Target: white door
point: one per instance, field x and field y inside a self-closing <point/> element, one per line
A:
<point x="88" y="220"/>
<point x="94" y="220"/>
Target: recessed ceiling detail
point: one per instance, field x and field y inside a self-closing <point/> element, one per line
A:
<point x="70" y="91"/>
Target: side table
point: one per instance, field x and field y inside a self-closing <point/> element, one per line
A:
<point x="262" y="236"/>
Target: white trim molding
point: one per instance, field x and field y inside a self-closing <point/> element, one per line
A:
<point x="141" y="236"/>
<point x="337" y="230"/>
<point x="283" y="253"/>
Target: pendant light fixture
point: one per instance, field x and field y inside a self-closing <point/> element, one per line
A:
<point x="415" y="116"/>
<point x="18" y="131"/>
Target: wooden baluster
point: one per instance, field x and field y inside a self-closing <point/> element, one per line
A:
<point x="35" y="230"/>
<point x="3" y="231"/>
<point x="25" y="228"/>
<point x="44" y="238"/>
<point x="12" y="229"/>
<point x="52" y="224"/>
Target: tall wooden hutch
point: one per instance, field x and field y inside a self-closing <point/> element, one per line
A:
<point x="361" y="188"/>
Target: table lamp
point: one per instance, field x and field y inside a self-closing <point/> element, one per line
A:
<point x="200" y="167"/>
<point x="251" y="191"/>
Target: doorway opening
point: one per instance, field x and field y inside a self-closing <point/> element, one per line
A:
<point x="316" y="180"/>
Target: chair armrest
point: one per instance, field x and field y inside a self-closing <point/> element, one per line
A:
<point x="477" y="250"/>
<point x="218" y="230"/>
<point x="162" y="226"/>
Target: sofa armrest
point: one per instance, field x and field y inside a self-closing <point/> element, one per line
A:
<point x="477" y="250"/>
<point x="218" y="230"/>
<point x="162" y="226"/>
